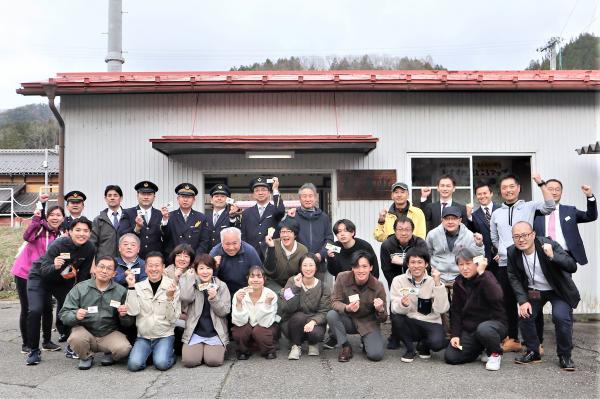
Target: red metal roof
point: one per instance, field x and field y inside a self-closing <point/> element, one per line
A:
<point x="373" y="80"/>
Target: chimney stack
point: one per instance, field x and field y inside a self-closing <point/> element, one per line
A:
<point x="114" y="58"/>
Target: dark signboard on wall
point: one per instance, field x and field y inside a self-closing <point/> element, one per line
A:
<point x="365" y="184"/>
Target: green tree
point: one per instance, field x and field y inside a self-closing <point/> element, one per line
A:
<point x="582" y="52"/>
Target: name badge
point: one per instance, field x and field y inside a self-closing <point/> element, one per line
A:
<point x="353" y="298"/>
<point x="333" y="248"/>
<point x="567" y="218"/>
<point x="113" y="304"/>
<point x="197" y="224"/>
<point x="92" y="309"/>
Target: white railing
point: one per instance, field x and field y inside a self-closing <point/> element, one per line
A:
<point x="10" y="201"/>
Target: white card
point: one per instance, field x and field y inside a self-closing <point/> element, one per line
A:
<point x="136" y="270"/>
<point x="271" y="231"/>
<point x="478" y="259"/>
<point x="413" y="291"/>
<point x="92" y="309"/>
<point x="353" y="298"/>
<point x="140" y="212"/>
<point x="38" y="205"/>
<point x="114" y="304"/>
<point x="230" y="201"/>
<point x="65" y="255"/>
<point x="333" y="248"/>
<point x="269" y="181"/>
<point x="567" y="218"/>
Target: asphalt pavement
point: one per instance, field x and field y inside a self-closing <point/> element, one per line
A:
<point x="310" y="377"/>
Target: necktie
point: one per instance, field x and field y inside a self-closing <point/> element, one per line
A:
<point x="185" y="217"/>
<point x="552" y="225"/>
<point x="261" y="210"/>
<point x="115" y="219"/>
<point x="488" y="216"/>
<point x="215" y="218"/>
<point x="444" y="206"/>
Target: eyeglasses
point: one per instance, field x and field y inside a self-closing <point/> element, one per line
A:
<point x="518" y="237"/>
<point x="104" y="268"/>
<point x="406" y="229"/>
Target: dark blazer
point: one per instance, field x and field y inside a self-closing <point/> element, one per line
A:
<point x="254" y="228"/>
<point x="570" y="217"/>
<point x="214" y="231"/>
<point x="481" y="227"/>
<point x="557" y="271"/>
<point x="151" y="236"/>
<point x="433" y="214"/>
<point x="193" y="232"/>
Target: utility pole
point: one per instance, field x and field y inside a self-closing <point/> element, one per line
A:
<point x="551" y="48"/>
<point x="114" y="58"/>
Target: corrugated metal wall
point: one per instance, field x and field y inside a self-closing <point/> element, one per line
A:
<point x="107" y="140"/>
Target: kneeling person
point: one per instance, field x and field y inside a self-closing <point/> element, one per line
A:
<point x="95" y="309"/>
<point x="477" y="317"/>
<point x="358" y="307"/>
<point x="155" y="304"/>
<point x="417" y="303"/>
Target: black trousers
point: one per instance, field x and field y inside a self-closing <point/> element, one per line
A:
<point x="413" y="330"/>
<point x="510" y="304"/>
<point x="39" y="295"/>
<point x="488" y="336"/>
<point x="295" y="330"/>
<point x="21" y="284"/>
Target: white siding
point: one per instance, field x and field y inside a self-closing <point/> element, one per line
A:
<point x="107" y="140"/>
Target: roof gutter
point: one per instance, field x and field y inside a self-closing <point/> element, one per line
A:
<point x="50" y="90"/>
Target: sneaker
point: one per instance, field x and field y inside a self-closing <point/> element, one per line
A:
<point x="424" y="352"/>
<point x="107" y="360"/>
<point x="243" y="356"/>
<point x="33" y="357"/>
<point x="86" y="364"/>
<point x="295" y="353"/>
<point x="393" y="343"/>
<point x="62" y="338"/>
<point x="270" y="356"/>
<point x="50" y="346"/>
<point x="25" y="349"/>
<point x="330" y="343"/>
<point x="484" y="357"/>
<point x="493" y="363"/>
<point x="528" y="358"/>
<point x="511" y="345"/>
<point x="70" y="353"/>
<point x="313" y="350"/>
<point x="408" y="356"/>
<point x="566" y="363"/>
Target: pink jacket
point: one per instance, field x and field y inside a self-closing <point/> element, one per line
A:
<point x="38" y="237"/>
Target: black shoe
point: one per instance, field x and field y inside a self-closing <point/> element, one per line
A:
<point x="423" y="351"/>
<point x="330" y="343"/>
<point x="408" y="356"/>
<point x="529" y="358"/>
<point x="270" y="355"/>
<point x="34" y="357"/>
<point x="25" y="349"/>
<point x="62" y="338"/>
<point x="243" y="356"/>
<point x="566" y="363"/>
<point x="393" y="343"/>
<point x="50" y="346"/>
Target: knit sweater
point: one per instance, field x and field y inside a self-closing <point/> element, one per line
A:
<point x="277" y="265"/>
<point x="342" y="261"/>
<point x="314" y="302"/>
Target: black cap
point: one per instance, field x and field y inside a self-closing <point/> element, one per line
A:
<point x="220" y="189"/>
<point x="75" y="196"/>
<point x="187" y="189"/>
<point x="259" y="181"/>
<point x="403" y="186"/>
<point x="451" y="211"/>
<point x="289" y="223"/>
<point x="146" y="187"/>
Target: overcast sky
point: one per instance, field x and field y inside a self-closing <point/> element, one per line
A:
<point x="43" y="37"/>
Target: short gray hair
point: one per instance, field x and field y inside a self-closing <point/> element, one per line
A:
<point x="309" y="186"/>
<point x="130" y="235"/>
<point x="231" y="230"/>
<point x="464" y="253"/>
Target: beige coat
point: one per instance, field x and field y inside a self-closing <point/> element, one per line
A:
<point x="427" y="290"/>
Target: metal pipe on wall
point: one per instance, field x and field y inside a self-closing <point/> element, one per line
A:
<point x="50" y="90"/>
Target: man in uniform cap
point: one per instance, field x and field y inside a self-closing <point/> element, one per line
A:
<point x="256" y="220"/>
<point x="75" y="204"/>
<point x="185" y="225"/>
<point x="217" y="218"/>
<point x="144" y="220"/>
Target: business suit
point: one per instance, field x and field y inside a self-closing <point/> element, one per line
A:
<point x="482" y="227"/>
<point x="151" y="236"/>
<point x="433" y="213"/>
<point x="193" y="231"/>
<point x="105" y="235"/>
<point x="570" y="217"/>
<point x="214" y="231"/>
<point x="254" y="227"/>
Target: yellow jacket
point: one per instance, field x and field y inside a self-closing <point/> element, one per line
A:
<point x="383" y="231"/>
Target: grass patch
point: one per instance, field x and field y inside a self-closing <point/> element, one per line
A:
<point x="10" y="241"/>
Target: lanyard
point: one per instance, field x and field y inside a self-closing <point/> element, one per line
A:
<point x="528" y="268"/>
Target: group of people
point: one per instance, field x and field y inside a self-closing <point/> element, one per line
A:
<point x="147" y="284"/>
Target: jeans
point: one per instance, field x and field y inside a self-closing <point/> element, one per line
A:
<point x="411" y="330"/>
<point x="342" y="324"/>
<point x="163" y="355"/>
<point x="488" y="336"/>
<point x="562" y="317"/>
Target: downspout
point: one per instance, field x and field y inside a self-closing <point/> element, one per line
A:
<point x="50" y="90"/>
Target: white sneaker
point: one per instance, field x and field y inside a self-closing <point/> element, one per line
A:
<point x="295" y="353"/>
<point x="484" y="357"/>
<point x="313" y="350"/>
<point x="493" y="362"/>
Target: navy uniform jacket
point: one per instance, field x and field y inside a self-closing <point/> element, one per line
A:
<point x="433" y="214"/>
<point x="479" y="226"/>
<point x="214" y="232"/>
<point x="569" y="218"/>
<point x="254" y="228"/>
<point x="151" y="236"/>
<point x="193" y="232"/>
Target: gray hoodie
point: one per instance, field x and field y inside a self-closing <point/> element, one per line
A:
<point x="505" y="217"/>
